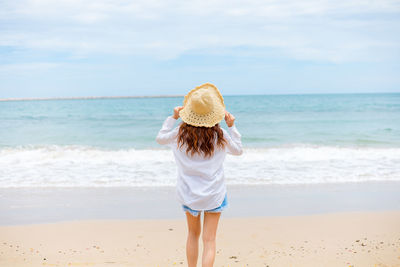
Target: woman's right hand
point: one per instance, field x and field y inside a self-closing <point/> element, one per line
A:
<point x="176" y="112"/>
<point x="229" y="119"/>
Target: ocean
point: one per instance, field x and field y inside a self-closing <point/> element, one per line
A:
<point x="287" y="139"/>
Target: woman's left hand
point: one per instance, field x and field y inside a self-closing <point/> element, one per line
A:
<point x="176" y="112"/>
<point x="229" y="119"/>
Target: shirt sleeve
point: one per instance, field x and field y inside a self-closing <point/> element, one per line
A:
<point x="234" y="141"/>
<point x="167" y="134"/>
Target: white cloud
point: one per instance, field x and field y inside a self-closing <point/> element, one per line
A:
<point x="334" y="31"/>
<point x="26" y="67"/>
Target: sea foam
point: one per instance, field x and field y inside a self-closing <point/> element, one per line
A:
<point x="75" y="166"/>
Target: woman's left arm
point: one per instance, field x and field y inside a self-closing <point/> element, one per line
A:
<point x="167" y="134"/>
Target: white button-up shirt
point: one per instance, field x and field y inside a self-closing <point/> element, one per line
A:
<point x="201" y="183"/>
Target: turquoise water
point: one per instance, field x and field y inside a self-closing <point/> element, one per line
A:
<point x="264" y="121"/>
<point x="287" y="139"/>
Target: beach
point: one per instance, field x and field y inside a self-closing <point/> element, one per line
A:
<point x="337" y="239"/>
<point x="318" y="225"/>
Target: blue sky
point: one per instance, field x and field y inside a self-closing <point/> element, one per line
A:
<point x="149" y="47"/>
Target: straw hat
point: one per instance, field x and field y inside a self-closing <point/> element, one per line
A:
<point x="203" y="106"/>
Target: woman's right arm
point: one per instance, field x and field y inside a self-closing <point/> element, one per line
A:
<point x="234" y="138"/>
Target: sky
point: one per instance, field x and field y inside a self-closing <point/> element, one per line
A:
<point x="68" y="48"/>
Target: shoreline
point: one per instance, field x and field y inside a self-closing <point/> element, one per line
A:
<point x="43" y="205"/>
<point x="330" y="240"/>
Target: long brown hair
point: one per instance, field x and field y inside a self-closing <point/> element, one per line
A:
<point x="200" y="140"/>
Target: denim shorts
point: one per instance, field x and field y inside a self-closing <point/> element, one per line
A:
<point x="217" y="209"/>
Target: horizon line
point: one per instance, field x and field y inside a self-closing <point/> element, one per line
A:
<point x="169" y="96"/>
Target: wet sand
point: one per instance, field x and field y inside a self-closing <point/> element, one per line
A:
<point x="42" y="205"/>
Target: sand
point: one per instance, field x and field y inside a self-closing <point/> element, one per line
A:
<point x="332" y="239"/>
<point x="43" y="205"/>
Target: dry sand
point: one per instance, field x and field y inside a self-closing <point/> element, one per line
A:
<point x="336" y="239"/>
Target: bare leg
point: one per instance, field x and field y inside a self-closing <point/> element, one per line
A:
<point x="192" y="244"/>
<point x="209" y="233"/>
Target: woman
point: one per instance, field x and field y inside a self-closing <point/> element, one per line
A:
<point x="200" y="145"/>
